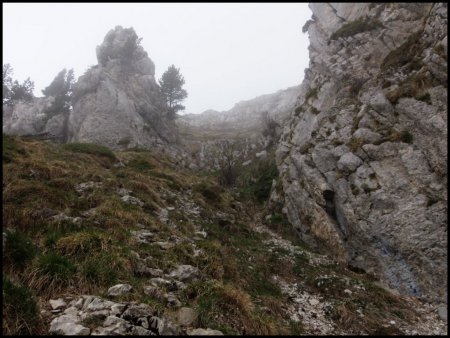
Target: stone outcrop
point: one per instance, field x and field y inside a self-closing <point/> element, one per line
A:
<point x="243" y="124"/>
<point x="363" y="158"/>
<point x="117" y="103"/>
<point x="33" y="118"/>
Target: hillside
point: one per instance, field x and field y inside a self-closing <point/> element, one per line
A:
<point x="189" y="255"/>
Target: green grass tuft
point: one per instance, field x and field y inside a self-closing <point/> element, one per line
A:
<point x="90" y="148"/>
<point x="56" y="266"/>
<point x="20" y="309"/>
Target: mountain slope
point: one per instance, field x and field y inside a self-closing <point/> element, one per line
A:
<point x="80" y="219"/>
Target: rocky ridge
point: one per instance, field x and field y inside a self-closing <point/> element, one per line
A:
<point x="116" y="103"/>
<point x="363" y="157"/>
<point x="242" y="124"/>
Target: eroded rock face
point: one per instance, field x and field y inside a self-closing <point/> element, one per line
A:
<point x="117" y="102"/>
<point x="201" y="131"/>
<point x="363" y="159"/>
<point x="33" y="117"/>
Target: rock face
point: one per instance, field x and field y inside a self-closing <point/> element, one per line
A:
<point x="117" y="102"/>
<point x="245" y="114"/>
<point x="363" y="158"/>
<point x="32" y="118"/>
<point x="242" y="123"/>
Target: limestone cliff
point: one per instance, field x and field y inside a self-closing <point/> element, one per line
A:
<point x="117" y="103"/>
<point x="363" y="159"/>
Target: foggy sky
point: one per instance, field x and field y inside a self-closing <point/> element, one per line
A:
<point x="227" y="52"/>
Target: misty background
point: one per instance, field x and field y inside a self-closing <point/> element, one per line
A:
<point x="227" y="52"/>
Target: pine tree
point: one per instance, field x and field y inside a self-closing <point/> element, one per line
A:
<point x="61" y="89"/>
<point x="171" y="84"/>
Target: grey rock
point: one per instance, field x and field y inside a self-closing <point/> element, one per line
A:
<point x="361" y="176"/>
<point x="186" y="316"/>
<point x="261" y="154"/>
<point x="94" y="315"/>
<point x="68" y="325"/>
<point x="57" y="303"/>
<point x="349" y="162"/>
<point x="98" y="304"/>
<point x="172" y="300"/>
<point x="82" y="187"/>
<point x="185" y="273"/>
<point x="120" y="94"/>
<point x="158" y="281"/>
<point x="119" y="289"/>
<point x="204" y="332"/>
<point x="71" y="311"/>
<point x="442" y="311"/>
<point x="132" y="200"/>
<point x="133" y="312"/>
<point x="113" y="320"/>
<point x="140" y="331"/>
<point x="153" y="291"/>
<point x="142" y="236"/>
<point x="69" y="329"/>
<point x="117" y="309"/>
<point x="165" y="245"/>
<point x="123" y="191"/>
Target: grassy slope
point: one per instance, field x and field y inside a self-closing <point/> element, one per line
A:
<point x="54" y="258"/>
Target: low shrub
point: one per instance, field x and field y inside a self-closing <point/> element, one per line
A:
<point x="355" y="27"/>
<point x="403" y="54"/>
<point x="19" y="249"/>
<point x="20" y="309"/>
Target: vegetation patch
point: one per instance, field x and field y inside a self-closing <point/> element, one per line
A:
<point x="10" y="148"/>
<point x="19" y="249"/>
<point x="414" y="86"/>
<point x="355" y="143"/>
<point x="90" y="148"/>
<point x="257" y="183"/>
<point x="358" y="26"/>
<point x="20" y="310"/>
<point x="55" y="266"/>
<point x="404" y="54"/>
<point x="402" y="136"/>
<point x="312" y="93"/>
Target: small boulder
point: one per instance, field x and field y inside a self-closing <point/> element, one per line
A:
<point x="57" y="304"/>
<point x="349" y="162"/>
<point x="204" y="332"/>
<point x="186" y="316"/>
<point x="185" y="273"/>
<point x="137" y="311"/>
<point x="172" y="300"/>
<point x="140" y="331"/>
<point x="261" y="154"/>
<point x="68" y="325"/>
<point x="119" y="289"/>
<point x="132" y="200"/>
<point x="70" y="329"/>
<point x="442" y="311"/>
